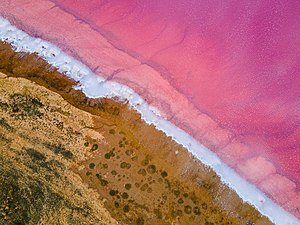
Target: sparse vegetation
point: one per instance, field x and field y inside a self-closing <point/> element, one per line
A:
<point x="59" y="149"/>
<point x="94" y="147"/>
<point x="23" y="106"/>
<point x="5" y="125"/>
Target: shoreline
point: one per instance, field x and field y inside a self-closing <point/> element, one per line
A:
<point x="108" y="62"/>
<point x="90" y="84"/>
<point x="104" y="122"/>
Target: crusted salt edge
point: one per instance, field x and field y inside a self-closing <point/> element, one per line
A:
<point x="94" y="87"/>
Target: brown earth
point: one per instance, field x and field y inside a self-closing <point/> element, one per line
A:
<point x="67" y="159"/>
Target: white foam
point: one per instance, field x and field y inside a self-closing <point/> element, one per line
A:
<point x="94" y="87"/>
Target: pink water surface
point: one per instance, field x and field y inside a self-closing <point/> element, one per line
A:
<point x="238" y="61"/>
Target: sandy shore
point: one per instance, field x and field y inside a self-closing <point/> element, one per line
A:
<point x="99" y="157"/>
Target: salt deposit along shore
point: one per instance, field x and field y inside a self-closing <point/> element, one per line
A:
<point x="95" y="86"/>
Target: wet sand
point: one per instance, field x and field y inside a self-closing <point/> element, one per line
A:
<point x="99" y="157"/>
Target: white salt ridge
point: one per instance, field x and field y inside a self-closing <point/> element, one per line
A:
<point x="95" y="87"/>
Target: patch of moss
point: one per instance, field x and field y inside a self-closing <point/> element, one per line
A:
<point x="59" y="149"/>
<point x="125" y="165"/>
<point x="142" y="172"/>
<point x="126" y="208"/>
<point x="23" y="106"/>
<point x="4" y="139"/>
<point x="179" y="212"/>
<point x="125" y="195"/>
<point x="127" y="186"/>
<point x="112" y="192"/>
<point x="194" y="199"/>
<point x="180" y="201"/>
<point x="176" y="193"/>
<point x="188" y="209"/>
<point x="5" y="125"/>
<point x="117" y="204"/>
<point x="196" y="210"/>
<point x="109" y="154"/>
<point x="158" y="213"/>
<point x="144" y="187"/>
<point x="103" y="182"/>
<point x="94" y="147"/>
<point x="4" y="106"/>
<point x="164" y="174"/>
<point x="151" y="169"/>
<point x="88" y="173"/>
<point x="35" y="155"/>
<point x="113" y="172"/>
<point x="105" y="166"/>
<point x="92" y="165"/>
<point x="145" y="162"/>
